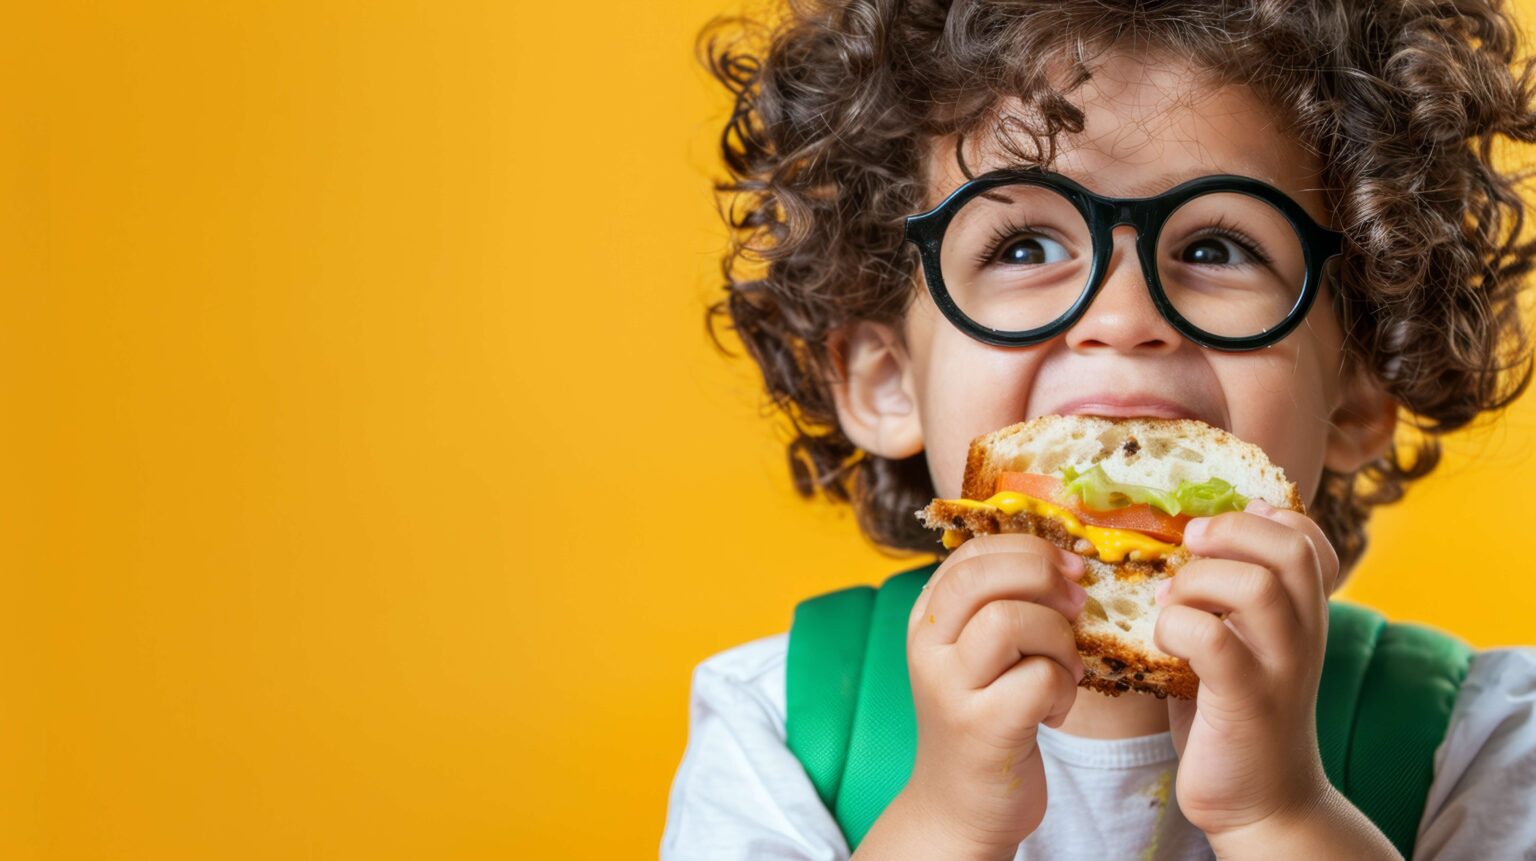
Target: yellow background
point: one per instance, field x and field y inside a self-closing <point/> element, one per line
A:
<point x="370" y="486"/>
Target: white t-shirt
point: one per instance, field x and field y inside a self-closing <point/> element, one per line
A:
<point x="741" y="793"/>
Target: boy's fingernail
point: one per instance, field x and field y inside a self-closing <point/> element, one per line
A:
<point x="1161" y="596"/>
<point x="1259" y="506"/>
<point x="1078" y="594"/>
<point x="1194" y="529"/>
<point x="1072" y="564"/>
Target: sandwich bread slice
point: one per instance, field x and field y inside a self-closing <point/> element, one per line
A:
<point x="1118" y="492"/>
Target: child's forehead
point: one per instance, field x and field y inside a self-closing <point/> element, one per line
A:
<point x="1146" y="127"/>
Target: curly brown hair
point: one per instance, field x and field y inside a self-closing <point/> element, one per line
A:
<point x="836" y="104"/>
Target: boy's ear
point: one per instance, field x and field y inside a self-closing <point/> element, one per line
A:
<point x="873" y="390"/>
<point x="1361" y="427"/>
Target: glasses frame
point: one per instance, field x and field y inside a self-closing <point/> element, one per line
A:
<point x="1146" y="215"/>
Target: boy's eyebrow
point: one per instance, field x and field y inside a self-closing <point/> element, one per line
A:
<point x="1169" y="179"/>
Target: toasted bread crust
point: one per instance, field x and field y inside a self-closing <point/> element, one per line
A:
<point x="973" y="486"/>
<point x="1114" y="669"/>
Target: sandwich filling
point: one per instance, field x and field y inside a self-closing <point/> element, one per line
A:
<point x="1109" y="544"/>
<point x="1117" y="521"/>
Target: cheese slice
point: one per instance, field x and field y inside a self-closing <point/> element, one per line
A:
<point x="1112" y="545"/>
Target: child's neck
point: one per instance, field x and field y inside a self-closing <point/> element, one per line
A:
<point x="1095" y="715"/>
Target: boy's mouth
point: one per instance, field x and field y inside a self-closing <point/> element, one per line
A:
<point x="1133" y="405"/>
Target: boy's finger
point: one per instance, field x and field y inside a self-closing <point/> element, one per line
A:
<point x="1289" y="552"/>
<point x="1033" y="691"/>
<point x="989" y="577"/>
<point x="1222" y="661"/>
<point x="1259" y="605"/>
<point x="1004" y="632"/>
<point x="982" y="545"/>
<point x="1327" y="556"/>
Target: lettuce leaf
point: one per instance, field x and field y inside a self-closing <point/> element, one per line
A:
<point x="1208" y="498"/>
<point x="1095" y="489"/>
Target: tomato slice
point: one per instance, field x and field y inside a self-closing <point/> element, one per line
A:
<point x="1042" y="487"/>
<point x="1141" y="517"/>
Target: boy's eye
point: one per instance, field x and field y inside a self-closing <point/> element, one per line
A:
<point x="1034" y="250"/>
<point x="1215" y="251"/>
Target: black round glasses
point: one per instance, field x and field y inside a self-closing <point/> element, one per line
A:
<point x="1014" y="257"/>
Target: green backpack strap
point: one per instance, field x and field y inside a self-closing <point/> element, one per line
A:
<point x="1383" y="706"/>
<point x="848" y="698"/>
<point x="1384" y="703"/>
<point x="883" y="746"/>
<point x="825" y="658"/>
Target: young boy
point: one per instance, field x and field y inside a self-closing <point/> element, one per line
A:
<point x="1373" y="119"/>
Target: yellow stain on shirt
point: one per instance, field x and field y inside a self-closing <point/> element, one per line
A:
<point x="1159" y="791"/>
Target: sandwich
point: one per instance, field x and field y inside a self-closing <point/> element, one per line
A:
<point x="1117" y="491"/>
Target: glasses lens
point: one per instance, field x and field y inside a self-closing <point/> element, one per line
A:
<point x="1231" y="264"/>
<point x="1016" y="257"/>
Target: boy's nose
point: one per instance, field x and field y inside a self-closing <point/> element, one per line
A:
<point x="1122" y="316"/>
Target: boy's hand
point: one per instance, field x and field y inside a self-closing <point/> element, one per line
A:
<point x="1248" y="744"/>
<point x="991" y="655"/>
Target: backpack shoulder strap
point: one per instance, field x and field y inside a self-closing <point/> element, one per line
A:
<point x="1352" y="634"/>
<point x="1382" y="732"/>
<point x="825" y="658"/>
<point x="848" y="700"/>
<point x="883" y="746"/>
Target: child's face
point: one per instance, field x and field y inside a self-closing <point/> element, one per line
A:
<point x="1148" y="127"/>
